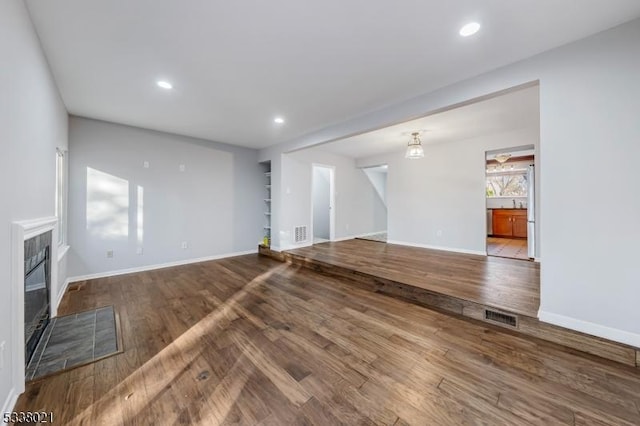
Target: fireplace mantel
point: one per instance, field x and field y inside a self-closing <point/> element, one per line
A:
<point x="22" y="231"/>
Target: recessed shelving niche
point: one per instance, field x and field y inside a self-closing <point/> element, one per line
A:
<point x="266" y="241"/>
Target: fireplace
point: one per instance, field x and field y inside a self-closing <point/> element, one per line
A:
<point x="34" y="285"/>
<point x="37" y="290"/>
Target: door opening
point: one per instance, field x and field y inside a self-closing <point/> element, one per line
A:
<point x="377" y="176"/>
<point x="322" y="203"/>
<point x="510" y="203"/>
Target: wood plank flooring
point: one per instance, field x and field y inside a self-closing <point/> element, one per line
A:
<point x="249" y="340"/>
<point x="508" y="284"/>
<point x="350" y="269"/>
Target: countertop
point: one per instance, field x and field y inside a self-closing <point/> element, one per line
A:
<point x="506" y="208"/>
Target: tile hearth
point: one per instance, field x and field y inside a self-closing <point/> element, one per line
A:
<point x="74" y="340"/>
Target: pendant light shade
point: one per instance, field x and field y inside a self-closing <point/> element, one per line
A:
<point x="414" y="148"/>
<point x="502" y="158"/>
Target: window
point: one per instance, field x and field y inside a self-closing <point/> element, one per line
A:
<point x="507" y="183"/>
<point x="61" y="195"/>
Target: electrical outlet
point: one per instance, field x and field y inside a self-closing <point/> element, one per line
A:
<point x="2" y="355"/>
<point x="145" y="164"/>
<point x="182" y="167"/>
<point x="185" y="245"/>
<point x="109" y="254"/>
<point x="439" y="233"/>
<point x="139" y="250"/>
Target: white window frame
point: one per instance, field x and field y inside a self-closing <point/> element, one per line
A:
<point x="61" y="199"/>
<point x="515" y="172"/>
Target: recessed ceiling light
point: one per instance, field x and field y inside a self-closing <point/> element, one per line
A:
<point x="470" y="29"/>
<point x="278" y="120"/>
<point x="165" y="84"/>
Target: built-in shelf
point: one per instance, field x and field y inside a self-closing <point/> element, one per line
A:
<point x="266" y="242"/>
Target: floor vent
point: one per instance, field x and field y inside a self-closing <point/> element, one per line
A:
<point x="300" y="234"/>
<point x="500" y="318"/>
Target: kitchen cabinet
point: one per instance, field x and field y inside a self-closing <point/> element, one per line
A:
<point x="510" y="223"/>
<point x="520" y="226"/>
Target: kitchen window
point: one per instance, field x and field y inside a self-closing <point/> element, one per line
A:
<point x="506" y="183"/>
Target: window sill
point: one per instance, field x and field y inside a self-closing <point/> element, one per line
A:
<point x="62" y="251"/>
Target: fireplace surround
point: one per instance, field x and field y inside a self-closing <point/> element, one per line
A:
<point x="23" y="231"/>
<point x="37" y="289"/>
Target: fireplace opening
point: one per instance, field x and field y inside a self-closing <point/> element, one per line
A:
<point x="37" y="289"/>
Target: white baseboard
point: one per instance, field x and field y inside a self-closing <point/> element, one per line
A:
<point x="591" y="328"/>
<point x="10" y="401"/>
<point x="351" y="237"/>
<point x="156" y="266"/>
<point x="428" y="246"/>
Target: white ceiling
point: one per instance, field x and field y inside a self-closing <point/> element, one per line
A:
<point x="237" y="64"/>
<point x="515" y="110"/>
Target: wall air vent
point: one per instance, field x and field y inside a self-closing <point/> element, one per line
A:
<point x="501" y="318"/>
<point x="300" y="234"/>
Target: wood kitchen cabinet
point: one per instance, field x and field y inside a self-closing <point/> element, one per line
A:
<point x="520" y="225"/>
<point x="510" y="223"/>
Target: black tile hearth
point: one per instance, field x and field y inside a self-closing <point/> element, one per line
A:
<point x="74" y="340"/>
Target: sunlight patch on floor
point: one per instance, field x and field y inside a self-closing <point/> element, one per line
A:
<point x="150" y="380"/>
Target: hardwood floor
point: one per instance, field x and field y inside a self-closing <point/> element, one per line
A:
<point x="250" y="340"/>
<point x="457" y="297"/>
<point x="507" y="284"/>
<point x="514" y="248"/>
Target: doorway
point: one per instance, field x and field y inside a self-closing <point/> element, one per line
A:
<point x="377" y="176"/>
<point x="322" y="203"/>
<point x="510" y="203"/>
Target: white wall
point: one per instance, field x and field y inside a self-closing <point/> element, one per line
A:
<point x="321" y="202"/>
<point x="276" y="200"/>
<point x="356" y="203"/>
<point x="215" y="204"/>
<point x="439" y="201"/>
<point x="63" y="274"/>
<point x="33" y="122"/>
<point x="589" y="104"/>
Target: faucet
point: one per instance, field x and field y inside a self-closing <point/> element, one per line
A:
<point x="514" y="203"/>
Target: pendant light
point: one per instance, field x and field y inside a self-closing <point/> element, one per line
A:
<point x="502" y="158"/>
<point x="414" y="148"/>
